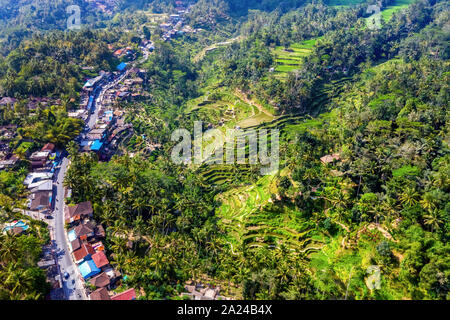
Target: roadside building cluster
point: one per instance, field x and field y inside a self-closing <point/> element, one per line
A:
<point x="85" y="239"/>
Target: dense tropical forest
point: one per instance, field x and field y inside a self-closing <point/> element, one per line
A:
<point x="364" y="175"/>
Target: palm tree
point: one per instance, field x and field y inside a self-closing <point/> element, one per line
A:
<point x="428" y="202"/>
<point x="433" y="219"/>
<point x="409" y="197"/>
<point x="390" y="208"/>
<point x="9" y="251"/>
<point x="18" y="280"/>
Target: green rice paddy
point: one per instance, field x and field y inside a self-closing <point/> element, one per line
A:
<point x="290" y="59"/>
<point x="387" y="12"/>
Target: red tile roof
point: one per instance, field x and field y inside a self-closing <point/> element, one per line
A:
<point x="129" y="294"/>
<point x="48" y="147"/>
<point x="100" y="259"/>
<point x="85" y="250"/>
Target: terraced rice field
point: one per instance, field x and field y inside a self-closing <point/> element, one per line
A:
<point x="231" y="107"/>
<point x="387" y="12"/>
<point x="245" y="212"/>
<point x="396" y="6"/>
<point x="292" y="58"/>
<point x="248" y="225"/>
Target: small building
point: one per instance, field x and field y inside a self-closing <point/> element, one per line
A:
<point x="84" y="231"/>
<point x="100" y="281"/>
<point x="122" y="66"/>
<point x="88" y="269"/>
<point x="35" y="177"/>
<point x="84" y="253"/>
<point x="97" y="146"/>
<point x="40" y="156"/>
<point x="100" y="294"/>
<point x="75" y="244"/>
<point x="129" y="294"/>
<point x="78" y="212"/>
<point x="100" y="259"/>
<point x="9" y="163"/>
<point x="41" y="184"/>
<point x="45" y="185"/>
<point x="41" y="201"/>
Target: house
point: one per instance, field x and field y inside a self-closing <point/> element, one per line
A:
<point x="91" y="83"/>
<point x="88" y="269"/>
<point x="97" y="146"/>
<point x="9" y="163"/>
<point x="44" y="185"/>
<point x="100" y="281"/>
<point x="93" y="137"/>
<point x="84" y="231"/>
<point x="113" y="274"/>
<point x="75" y="244"/>
<point x="129" y="294"/>
<point x="100" y="259"/>
<point x="35" y="179"/>
<point x="122" y="66"/>
<point x="79" y="211"/>
<point x="80" y="113"/>
<point x="175" y="17"/>
<point x="39" y="156"/>
<point x="85" y="252"/>
<point x="137" y="80"/>
<point x="100" y="294"/>
<point x="41" y="201"/>
<point x="97" y="134"/>
<point x="124" y="95"/>
<point x="119" y="52"/>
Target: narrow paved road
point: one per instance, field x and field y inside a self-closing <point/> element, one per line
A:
<point x="73" y="286"/>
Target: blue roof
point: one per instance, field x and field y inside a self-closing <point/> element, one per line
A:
<point x="97" y="145"/>
<point x="121" y="66"/>
<point x="88" y="269"/>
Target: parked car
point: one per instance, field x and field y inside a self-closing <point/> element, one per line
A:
<point x="66" y="275"/>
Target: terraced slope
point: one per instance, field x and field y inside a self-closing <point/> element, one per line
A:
<point x="247" y="217"/>
<point x="292" y="58"/>
<point x="230" y="108"/>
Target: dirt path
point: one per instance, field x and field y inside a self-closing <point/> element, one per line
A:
<point x="241" y="95"/>
<point x="202" y="53"/>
